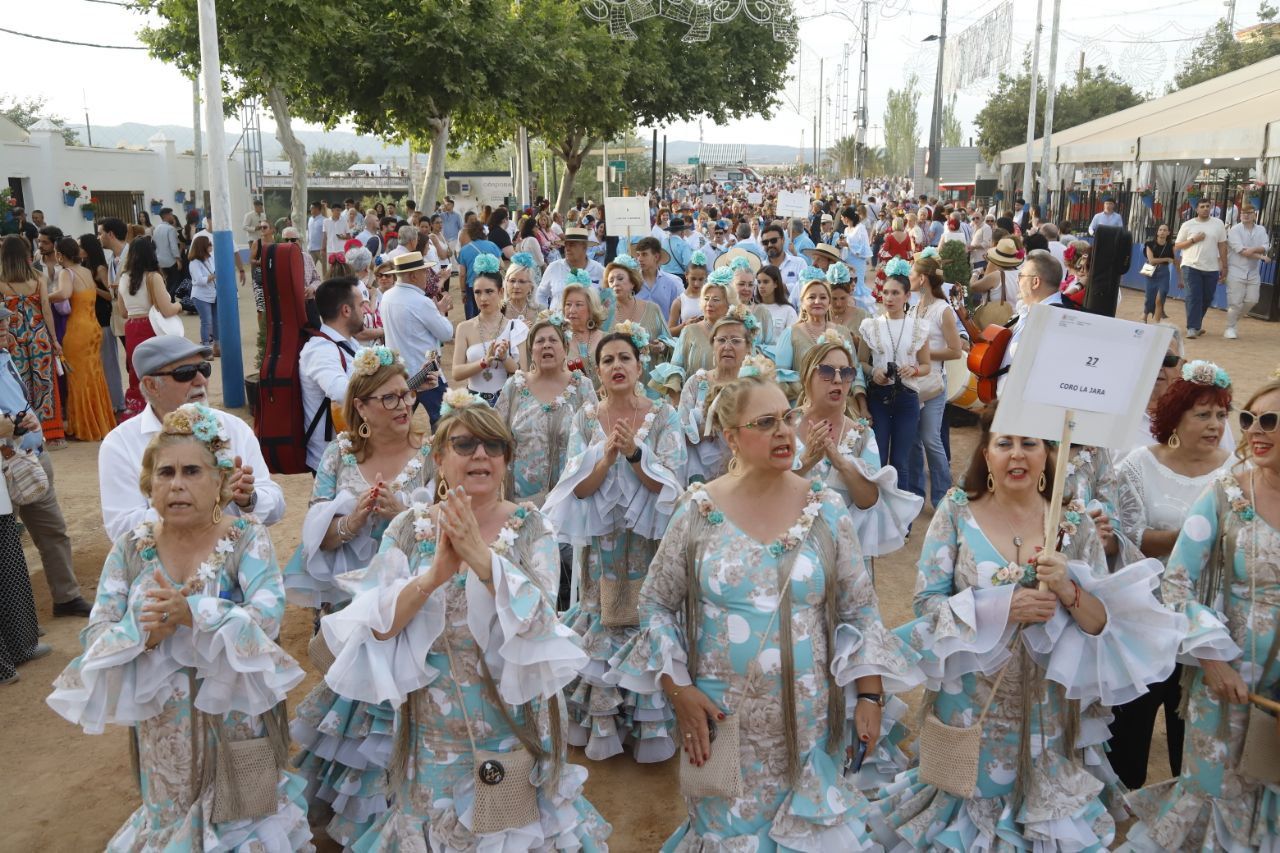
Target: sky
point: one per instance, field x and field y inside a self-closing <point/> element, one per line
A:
<point x="1141" y="39"/>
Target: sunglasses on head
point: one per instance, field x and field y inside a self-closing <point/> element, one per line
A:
<point x="829" y="373"/>
<point x="1171" y="360"/>
<point x="187" y="372"/>
<point x="465" y="445"/>
<point x="1267" y="421"/>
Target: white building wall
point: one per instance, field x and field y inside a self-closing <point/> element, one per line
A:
<point x="45" y="162"/>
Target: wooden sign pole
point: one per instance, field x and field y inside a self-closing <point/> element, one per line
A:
<point x="1054" y="516"/>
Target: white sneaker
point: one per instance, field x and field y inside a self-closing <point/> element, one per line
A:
<point x="1192" y="334"/>
<point x="1231" y="334"/>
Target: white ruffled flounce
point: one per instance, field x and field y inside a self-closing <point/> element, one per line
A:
<point x="576" y="520"/>
<point x="970" y="633"/>
<point x="882" y="527"/>
<point x="1207" y="637"/>
<point x="309" y="577"/>
<point x="1136" y="647"/>
<point x="122" y="686"/>
<point x="875" y="652"/>
<point x="240" y="668"/>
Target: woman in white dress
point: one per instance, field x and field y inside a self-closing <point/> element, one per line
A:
<point x="483" y="355"/>
<point x="1157" y="485"/>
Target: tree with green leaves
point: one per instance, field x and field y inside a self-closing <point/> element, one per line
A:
<point x="902" y="126"/>
<point x="1220" y="51"/>
<point x="842" y="156"/>
<point x="25" y="112"/>
<point x="325" y="160"/>
<point x="1093" y="93"/>
<point x="951" y="129"/>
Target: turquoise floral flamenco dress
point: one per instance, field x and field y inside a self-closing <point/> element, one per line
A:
<point x="345" y="744"/>
<point x="202" y="688"/>
<point x="478" y="668"/>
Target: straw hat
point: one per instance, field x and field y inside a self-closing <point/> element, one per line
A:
<point x="1004" y="255"/>
<point x="733" y="254"/>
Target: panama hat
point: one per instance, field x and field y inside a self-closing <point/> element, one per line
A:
<point x="408" y="262"/>
<point x="824" y="249"/>
<point x="733" y="254"/>
<point x="1004" y="255"/>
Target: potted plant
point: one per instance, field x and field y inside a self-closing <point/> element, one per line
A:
<point x="71" y="192"/>
<point x="88" y="208"/>
<point x="156" y="206"/>
<point x="955" y="262"/>
<point x="1148" y="197"/>
<point x="1254" y="192"/>
<point x="180" y="196"/>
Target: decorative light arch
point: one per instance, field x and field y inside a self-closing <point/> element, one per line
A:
<point x="699" y="15"/>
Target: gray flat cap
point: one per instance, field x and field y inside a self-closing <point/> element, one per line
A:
<point x="155" y="354"/>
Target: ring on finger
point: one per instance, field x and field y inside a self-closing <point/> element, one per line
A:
<point x="164" y="617"/>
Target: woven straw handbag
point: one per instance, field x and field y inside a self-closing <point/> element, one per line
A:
<point x="720" y="775"/>
<point x="319" y="652"/>
<point x="246" y="780"/>
<point x="620" y="601"/>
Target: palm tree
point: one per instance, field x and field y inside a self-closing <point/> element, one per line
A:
<point x="842" y="156"/>
<point x="874" y="161"/>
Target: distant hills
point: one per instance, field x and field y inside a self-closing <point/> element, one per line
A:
<point x="135" y="135"/>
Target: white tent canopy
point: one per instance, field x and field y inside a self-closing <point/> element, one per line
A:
<point x="1235" y="115"/>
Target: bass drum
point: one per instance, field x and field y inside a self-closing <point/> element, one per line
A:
<point x="967" y="398"/>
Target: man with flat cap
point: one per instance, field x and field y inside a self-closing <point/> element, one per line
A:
<point x="171" y="371"/>
<point x="42" y="518"/>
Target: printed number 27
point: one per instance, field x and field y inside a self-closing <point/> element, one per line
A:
<point x="1091" y="361"/>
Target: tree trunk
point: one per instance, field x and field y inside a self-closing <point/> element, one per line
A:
<point x="572" y="150"/>
<point x="435" y="165"/>
<point x="295" y="151"/>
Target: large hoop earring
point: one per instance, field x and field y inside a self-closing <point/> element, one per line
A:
<point x="442" y="488"/>
<point x="364" y="430"/>
<point x="1044" y="481"/>
<point x="991" y="482"/>
<point x="217" y="513"/>
<point x="1174" y="442"/>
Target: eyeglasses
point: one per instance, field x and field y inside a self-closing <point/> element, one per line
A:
<point x="1171" y="360"/>
<point x="770" y="423"/>
<point x="391" y="402"/>
<point x="1267" y="421"/>
<point x="720" y="341"/>
<point x="187" y="372"/>
<point x="465" y="445"/>
<point x="828" y="373"/>
<point x="775" y="241"/>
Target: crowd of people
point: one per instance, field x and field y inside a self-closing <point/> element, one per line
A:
<point x="639" y="515"/>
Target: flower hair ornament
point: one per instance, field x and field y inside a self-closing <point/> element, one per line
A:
<point x="625" y="260"/>
<point x="519" y="259"/>
<point x="460" y="398"/>
<point x="579" y="277"/>
<point x="369" y="360"/>
<point x="555" y="318"/>
<point x="812" y="274"/>
<point x="743" y="315"/>
<point x="638" y="334"/>
<point x="485" y="264"/>
<point x="199" y="420"/>
<point x="722" y="276"/>
<point x="757" y="365"/>
<point x="740" y="264"/>
<point x="838" y="273"/>
<point x="837" y="340"/>
<point x="898" y="267"/>
<point x="927" y="252"/>
<point x="1203" y="372"/>
<point x="697" y="259"/>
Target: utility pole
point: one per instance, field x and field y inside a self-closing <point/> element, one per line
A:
<point x="88" y="130"/>
<point x="197" y="146"/>
<point x="224" y="250"/>
<point x="653" y="161"/>
<point x="1052" y="83"/>
<point x="1231" y="16"/>
<point x="1028" y="182"/>
<point x="817" y="144"/>
<point x="863" y="66"/>
<point x="934" y="169"/>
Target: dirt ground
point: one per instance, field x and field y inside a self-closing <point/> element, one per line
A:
<point x="67" y="791"/>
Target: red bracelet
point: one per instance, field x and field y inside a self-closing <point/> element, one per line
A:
<point x="1076" y="603"/>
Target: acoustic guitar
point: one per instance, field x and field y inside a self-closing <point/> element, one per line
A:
<point x="986" y="357"/>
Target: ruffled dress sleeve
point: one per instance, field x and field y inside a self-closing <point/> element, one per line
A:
<point x="663" y="457"/>
<point x="705" y="452"/>
<point x="660" y="647"/>
<point x="576" y="520"/>
<point x="783" y="352"/>
<point x="114" y="680"/>
<point x="1207" y="636"/>
<point x="882" y="527"/>
<point x="1138" y="644"/>
<point x="310" y="573"/>
<point x="529" y="653"/>
<point x="1130" y="505"/>
<point x="234" y="624"/>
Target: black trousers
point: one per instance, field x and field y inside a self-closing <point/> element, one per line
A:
<point x="19" y="631"/>
<point x="1132" y="728"/>
<point x="172" y="278"/>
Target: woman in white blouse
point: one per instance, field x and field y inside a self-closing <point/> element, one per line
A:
<point x="1157" y="486"/>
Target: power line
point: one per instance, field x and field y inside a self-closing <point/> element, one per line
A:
<point x="110" y="3"/>
<point x="74" y="43"/>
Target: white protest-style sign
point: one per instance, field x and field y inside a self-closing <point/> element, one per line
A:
<point x="626" y="212"/>
<point x="853" y="185"/>
<point x="1098" y="368"/>
<point x="755" y="198"/>
<point x="792" y="204"/>
<point x="708" y="198"/>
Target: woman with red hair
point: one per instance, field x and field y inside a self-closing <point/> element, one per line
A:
<point x="1158" y="485"/>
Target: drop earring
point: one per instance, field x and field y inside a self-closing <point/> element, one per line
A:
<point x="991" y="482"/>
<point x="1043" y="481"/>
<point x="217" y="513"/>
<point x="442" y="488"/>
<point x="1174" y="442"/>
<point x="363" y="431"/>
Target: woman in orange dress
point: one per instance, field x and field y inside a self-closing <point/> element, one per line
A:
<point x="25" y="292"/>
<point x="89" y="414"/>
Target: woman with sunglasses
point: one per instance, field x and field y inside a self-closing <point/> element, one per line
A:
<point x="258" y="257"/>
<point x="625" y="471"/>
<point x="732" y="339"/>
<point x="733" y="655"/>
<point x="1032" y="668"/>
<point x="453" y="627"/>
<point x="1223" y="575"/>
<point x="836" y="446"/>
<point x="1157" y="486"/>
<point x="366" y="478"/>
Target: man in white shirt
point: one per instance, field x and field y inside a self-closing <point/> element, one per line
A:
<point x="252" y="220"/>
<point x="335" y="233"/>
<point x="315" y="236"/>
<point x="981" y="242"/>
<point x="326" y="360"/>
<point x="1108" y="216"/>
<point x="371" y="230"/>
<point x="168" y="253"/>
<point x="1057" y="248"/>
<point x="557" y="272"/>
<point x="1203" y="244"/>
<point x="1247" y="242"/>
<point x="417" y="325"/>
<point x="790" y="266"/>
<point x="171" y="371"/>
<point x="1039" y="282"/>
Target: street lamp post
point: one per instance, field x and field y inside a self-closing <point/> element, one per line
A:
<point x="933" y="168"/>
